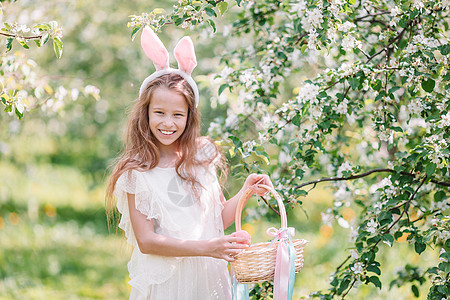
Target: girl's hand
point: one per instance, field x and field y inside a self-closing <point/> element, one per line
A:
<point x="255" y="179"/>
<point x="225" y="247"/>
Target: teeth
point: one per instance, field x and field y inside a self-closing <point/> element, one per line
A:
<point x="167" y="132"/>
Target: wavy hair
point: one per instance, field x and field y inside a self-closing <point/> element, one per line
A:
<point x="140" y="150"/>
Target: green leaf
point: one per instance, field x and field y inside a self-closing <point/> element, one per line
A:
<point x="57" y="46"/>
<point x="18" y="113"/>
<point x="44" y="38"/>
<point x="376" y="281"/>
<point x="377" y="85"/>
<point x="428" y="85"/>
<point x="354" y="82"/>
<point x="439" y="196"/>
<point x="42" y="27"/>
<point x="444" y="49"/>
<point x="351" y="2"/>
<point x="9" y="42"/>
<point x="397" y="129"/>
<point x="394" y="89"/>
<point x="296" y="120"/>
<point x="398" y="234"/>
<point x="212" y="24"/>
<point x="430" y="168"/>
<point x="388" y="239"/>
<point x="135" y="30"/>
<point x="373" y="268"/>
<point x="210" y="12"/>
<point x="415" y="291"/>
<point x="419" y="247"/>
<point x="344" y="285"/>
<point x="222" y="88"/>
<point x="223" y="6"/>
<point x="24" y="44"/>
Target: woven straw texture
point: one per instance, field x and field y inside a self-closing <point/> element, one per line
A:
<point x="257" y="262"/>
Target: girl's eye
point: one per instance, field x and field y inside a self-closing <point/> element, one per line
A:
<point x="178" y="115"/>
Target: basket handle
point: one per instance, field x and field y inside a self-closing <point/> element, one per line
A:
<point x="248" y="194"/>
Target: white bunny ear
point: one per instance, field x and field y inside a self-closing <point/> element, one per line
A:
<point x="154" y="49"/>
<point x="185" y="55"/>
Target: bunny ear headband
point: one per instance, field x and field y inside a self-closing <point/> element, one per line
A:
<point x="184" y="53"/>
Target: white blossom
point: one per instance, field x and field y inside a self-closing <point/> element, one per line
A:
<point x="343" y="223"/>
<point x="357" y="268"/>
<point x="231" y="120"/>
<point x="326" y="218"/>
<point x="347" y="26"/>
<point x="226" y="72"/>
<point x="19" y="106"/>
<point x="308" y="93"/>
<point x="396" y="11"/>
<point x="332" y="34"/>
<point x="342" y="107"/>
<point x="248" y="78"/>
<point x="345" y="167"/>
<point x="354" y="254"/>
<point x="314" y="17"/>
<point x="353" y="234"/>
<point x="315" y="111"/>
<point x="445" y="4"/>
<point x="298" y="7"/>
<point x="418" y="4"/>
<point x="371" y="226"/>
<point x="445" y="121"/>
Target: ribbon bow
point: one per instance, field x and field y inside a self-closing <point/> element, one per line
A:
<point x="284" y="279"/>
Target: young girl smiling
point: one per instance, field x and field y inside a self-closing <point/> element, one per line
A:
<point x="172" y="208"/>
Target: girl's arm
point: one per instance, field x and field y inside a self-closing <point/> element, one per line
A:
<point x="150" y="242"/>
<point x="230" y="206"/>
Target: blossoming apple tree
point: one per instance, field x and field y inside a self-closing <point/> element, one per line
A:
<point x="350" y="92"/>
<point x="24" y="86"/>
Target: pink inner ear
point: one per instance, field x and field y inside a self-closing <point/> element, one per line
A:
<point x="185" y="55"/>
<point x="154" y="49"/>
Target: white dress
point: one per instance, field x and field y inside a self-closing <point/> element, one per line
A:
<point x="162" y="196"/>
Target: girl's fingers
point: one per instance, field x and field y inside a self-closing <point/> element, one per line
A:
<point x="238" y="243"/>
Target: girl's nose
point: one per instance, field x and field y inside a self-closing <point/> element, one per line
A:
<point x="167" y="121"/>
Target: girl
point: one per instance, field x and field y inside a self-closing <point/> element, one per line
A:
<point x="172" y="207"/>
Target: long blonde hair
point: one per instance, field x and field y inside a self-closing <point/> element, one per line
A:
<point x="142" y="154"/>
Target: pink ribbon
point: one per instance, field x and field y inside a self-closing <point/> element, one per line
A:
<point x="282" y="264"/>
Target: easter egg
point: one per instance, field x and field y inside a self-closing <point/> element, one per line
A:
<point x="243" y="234"/>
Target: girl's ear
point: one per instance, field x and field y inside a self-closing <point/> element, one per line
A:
<point x="154" y="49"/>
<point x="185" y="55"/>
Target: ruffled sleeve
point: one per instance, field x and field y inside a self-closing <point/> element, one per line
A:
<point x="144" y="269"/>
<point x="133" y="182"/>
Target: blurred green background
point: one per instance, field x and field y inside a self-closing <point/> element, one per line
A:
<point x="54" y="238"/>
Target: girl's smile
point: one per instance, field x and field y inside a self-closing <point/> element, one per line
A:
<point x="167" y="112"/>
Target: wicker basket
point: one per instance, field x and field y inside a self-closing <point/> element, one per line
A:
<point x="257" y="262"/>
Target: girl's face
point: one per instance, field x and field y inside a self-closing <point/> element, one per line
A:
<point x="168" y="113"/>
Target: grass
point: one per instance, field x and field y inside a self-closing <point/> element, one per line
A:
<point x="63" y="259"/>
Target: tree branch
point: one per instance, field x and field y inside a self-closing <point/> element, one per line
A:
<point x="33" y="37"/>
<point x="270" y="206"/>
<point x="371" y="15"/>
<point x="381" y="170"/>
<point x="399" y="36"/>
